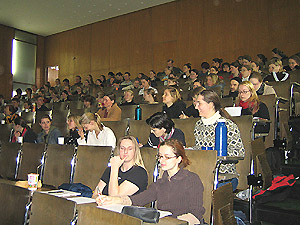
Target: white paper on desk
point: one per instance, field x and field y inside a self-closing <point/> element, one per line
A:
<point x="62" y="193"/>
<point x="82" y="200"/>
<point x="118" y="208"/>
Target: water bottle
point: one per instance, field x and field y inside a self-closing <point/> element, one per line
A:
<point x="138" y="113"/>
<point x="221" y="138"/>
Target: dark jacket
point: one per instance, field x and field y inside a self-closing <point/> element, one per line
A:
<point x="175" y="110"/>
<point x="51" y="137"/>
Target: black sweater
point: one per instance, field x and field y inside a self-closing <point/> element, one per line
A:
<point x="175" y="110"/>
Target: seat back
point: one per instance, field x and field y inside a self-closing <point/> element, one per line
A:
<point x="8" y="156"/>
<point x="58" y="164"/>
<point x="5" y="132"/>
<point x="140" y="129"/>
<point x="76" y="105"/>
<point x="118" y="127"/>
<point x="13" y="202"/>
<point x="223" y="202"/>
<point x="77" y="112"/>
<point x="60" y="106"/>
<point x="48" y="209"/>
<point x="149" y="159"/>
<point x="91" y="163"/>
<point x="31" y="158"/>
<point x="203" y="163"/>
<point x="89" y="214"/>
<point x="265" y="170"/>
<point x="257" y="147"/>
<point x="226" y="102"/>
<point x="244" y="124"/>
<point x="270" y="101"/>
<point x="187" y="126"/>
<point x="128" y="111"/>
<point x="149" y="109"/>
<point x="28" y="117"/>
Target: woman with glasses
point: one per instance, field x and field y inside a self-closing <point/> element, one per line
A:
<point x="126" y="174"/>
<point x="179" y="191"/>
<point x="209" y="107"/>
<point x="162" y="128"/>
<point x="251" y="105"/>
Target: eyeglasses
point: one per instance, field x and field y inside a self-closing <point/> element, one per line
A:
<point x="165" y="157"/>
<point x="243" y="92"/>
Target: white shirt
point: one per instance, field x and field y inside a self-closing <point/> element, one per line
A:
<point x="141" y="92"/>
<point x="106" y="137"/>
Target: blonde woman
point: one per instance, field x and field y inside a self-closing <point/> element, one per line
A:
<point x="74" y="128"/>
<point x="126" y="175"/>
<point x="251" y="105"/>
<point x="97" y="133"/>
<point x="173" y="105"/>
<point x="212" y="81"/>
<point x="276" y="71"/>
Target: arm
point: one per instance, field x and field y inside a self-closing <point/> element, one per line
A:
<point x="99" y="188"/>
<point x="81" y="140"/>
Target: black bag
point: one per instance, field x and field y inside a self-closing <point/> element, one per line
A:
<point x="78" y="187"/>
<point x="148" y="215"/>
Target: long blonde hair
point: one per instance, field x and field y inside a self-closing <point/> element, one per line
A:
<point x="87" y="117"/>
<point x="76" y="120"/>
<point x="138" y="161"/>
<point x="254" y="106"/>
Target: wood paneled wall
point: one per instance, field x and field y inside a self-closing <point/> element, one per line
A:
<point x="6" y="36"/>
<point x="186" y="30"/>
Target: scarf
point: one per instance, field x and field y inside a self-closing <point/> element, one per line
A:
<point x="14" y="139"/>
<point x="211" y="120"/>
<point x="166" y="136"/>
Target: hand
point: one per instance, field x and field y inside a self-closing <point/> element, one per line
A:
<point x="140" y="145"/>
<point x="116" y="162"/>
<point x="81" y="133"/>
<point x="107" y="200"/>
<point x="17" y="134"/>
<point x="182" y="116"/>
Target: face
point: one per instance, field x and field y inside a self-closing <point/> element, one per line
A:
<point x="170" y="64"/>
<point x="254" y="67"/>
<point x="107" y="101"/>
<point x="255" y="83"/>
<point x="86" y="83"/>
<point x="234" y="85"/>
<point x="89" y="126"/>
<point x="45" y="124"/>
<point x="136" y="84"/>
<point x="151" y="74"/>
<point x="26" y="105"/>
<point x="15" y="103"/>
<point x="196" y="84"/>
<point x="244" y="93"/>
<point x="78" y="90"/>
<point x="292" y="63"/>
<point x="145" y="83"/>
<point x="213" y="70"/>
<point x="40" y="101"/>
<point x="167" y="97"/>
<point x="128" y="96"/>
<point x="185" y="69"/>
<point x="127" y="150"/>
<point x="18" y="128"/>
<point x="64" y="95"/>
<point x="98" y="82"/>
<point x="71" y="124"/>
<point x="57" y="82"/>
<point x="226" y="68"/>
<point x="234" y="69"/>
<point x="158" y="132"/>
<point x="168" y="160"/>
<point x="77" y="79"/>
<point x="86" y="104"/>
<point x="273" y="68"/>
<point x="245" y="72"/>
<point x="193" y="75"/>
<point x="209" y="81"/>
<point x="205" y="109"/>
<point x="126" y="77"/>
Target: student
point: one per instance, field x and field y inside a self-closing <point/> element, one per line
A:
<point x="234" y="88"/>
<point x="111" y="111"/>
<point x="173" y="105"/>
<point x="21" y="129"/>
<point x="209" y="107"/>
<point x="260" y="87"/>
<point x="74" y="127"/>
<point x="128" y="98"/>
<point x="179" y="191"/>
<point x="126" y="174"/>
<point x="276" y="71"/>
<point x="10" y="114"/>
<point x="49" y="134"/>
<point x="251" y="105"/>
<point x="162" y="128"/>
<point x="97" y="133"/>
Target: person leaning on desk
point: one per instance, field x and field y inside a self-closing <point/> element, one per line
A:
<point x="179" y="191"/>
<point x="209" y="107"/>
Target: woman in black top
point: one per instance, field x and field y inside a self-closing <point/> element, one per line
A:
<point x="162" y="128"/>
<point x="277" y="72"/>
<point x="73" y="126"/>
<point x="22" y="130"/>
<point x="173" y="105"/>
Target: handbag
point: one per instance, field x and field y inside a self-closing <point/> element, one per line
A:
<point x="148" y="215"/>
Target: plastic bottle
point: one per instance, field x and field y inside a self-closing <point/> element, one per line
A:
<point x="138" y="113"/>
<point x="221" y="138"/>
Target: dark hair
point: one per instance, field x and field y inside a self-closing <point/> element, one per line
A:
<point x="256" y="63"/>
<point x="189" y="66"/>
<point x="256" y="75"/>
<point x="277" y="51"/>
<point x="170" y="60"/>
<point x="103" y="77"/>
<point x="218" y="60"/>
<point x="127" y="73"/>
<point x="151" y="92"/>
<point x="11" y="108"/>
<point x="152" y="71"/>
<point x="119" y="74"/>
<point x="205" y="65"/>
<point x="160" y="120"/>
<point x="178" y="150"/>
<point x="195" y="71"/>
<point x="19" y="91"/>
<point x="247" y="57"/>
<point x="79" y="77"/>
<point x="144" y="77"/>
<point x="64" y="91"/>
<point x="247" y="67"/>
<point x="20" y="121"/>
<point x="16" y="99"/>
<point x="29" y="90"/>
<point x="89" y="98"/>
<point x="262" y="57"/>
<point x="197" y="91"/>
<point x="225" y="63"/>
<point x="46" y="116"/>
<point x="296" y="58"/>
<point x="111" y="74"/>
<point x="235" y="64"/>
<point x="66" y="80"/>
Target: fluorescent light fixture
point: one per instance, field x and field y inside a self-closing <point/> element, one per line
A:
<point x="14" y="57"/>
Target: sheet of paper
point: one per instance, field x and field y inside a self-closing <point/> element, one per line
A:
<point x="62" y="193"/>
<point x="118" y="208"/>
<point x="82" y="200"/>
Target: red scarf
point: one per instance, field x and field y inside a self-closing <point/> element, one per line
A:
<point x="14" y="139"/>
<point x="247" y="104"/>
